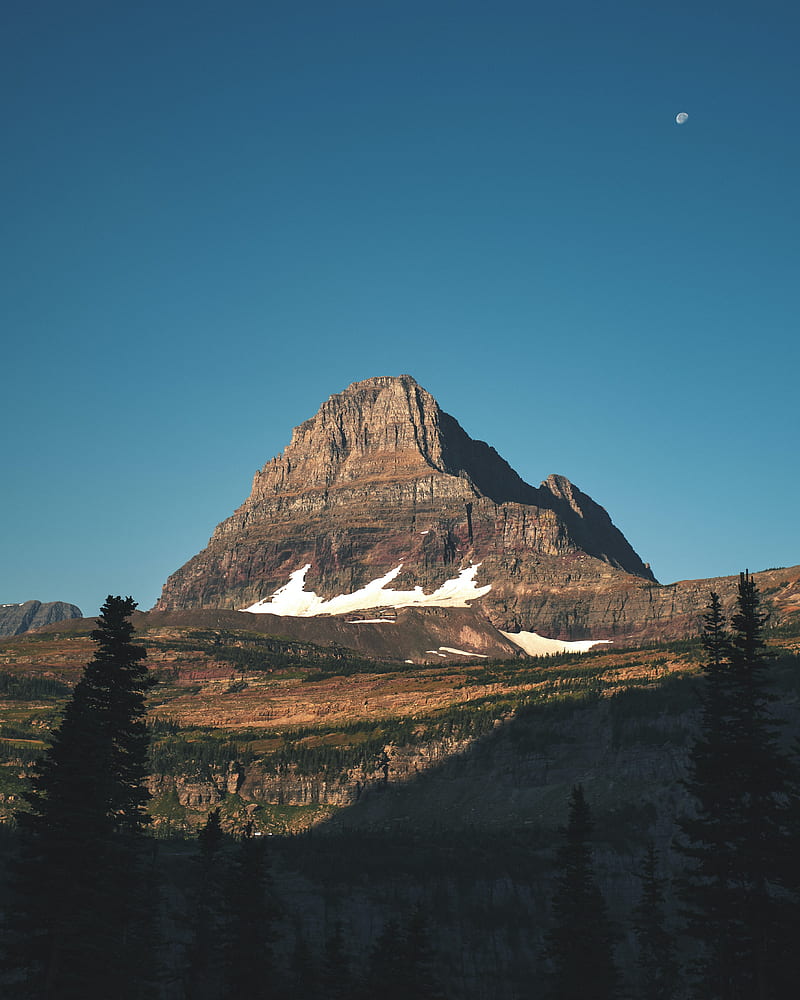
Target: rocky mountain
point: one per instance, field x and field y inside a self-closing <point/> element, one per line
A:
<point x="18" y="618"/>
<point x="381" y="477"/>
<point x="383" y="492"/>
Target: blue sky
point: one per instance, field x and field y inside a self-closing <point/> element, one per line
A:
<point x="215" y="215"/>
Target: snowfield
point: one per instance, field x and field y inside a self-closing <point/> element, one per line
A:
<point x="293" y="600"/>
<point x="537" y="645"/>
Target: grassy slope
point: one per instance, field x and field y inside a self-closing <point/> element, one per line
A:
<point x="233" y="699"/>
<point x="481" y="757"/>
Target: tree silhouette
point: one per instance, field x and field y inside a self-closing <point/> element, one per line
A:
<point x="204" y="960"/>
<point x="336" y="978"/>
<point x="579" y="948"/>
<point x="657" y="963"/>
<point x="249" y="962"/>
<point x="79" y="911"/>
<point x="737" y="892"/>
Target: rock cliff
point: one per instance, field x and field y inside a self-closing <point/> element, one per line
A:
<point x="381" y="476"/>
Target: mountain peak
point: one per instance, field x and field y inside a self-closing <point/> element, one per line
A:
<point x="388" y="428"/>
<point x="381" y="382"/>
<point x="380" y="478"/>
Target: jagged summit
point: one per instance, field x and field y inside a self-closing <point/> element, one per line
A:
<point x="387" y="428"/>
<point x="382" y="476"/>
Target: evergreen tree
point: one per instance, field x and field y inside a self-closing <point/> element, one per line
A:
<point x="205" y="953"/>
<point x="403" y="962"/>
<point x="249" y="965"/>
<point x="335" y="976"/>
<point x="385" y="977"/>
<point x="657" y="963"/>
<point x="210" y="837"/>
<point x="78" y="912"/>
<point x="423" y="980"/>
<point x="304" y="978"/>
<point x="579" y="947"/>
<point x="736" y="891"/>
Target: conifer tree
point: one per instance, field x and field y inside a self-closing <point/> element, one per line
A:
<point x="335" y="977"/>
<point x="737" y="894"/>
<point x="579" y="948"/>
<point x="657" y="963"/>
<point x="303" y="972"/>
<point x="386" y="969"/>
<point x="78" y="906"/>
<point x="249" y="965"/>
<point x="403" y="961"/>
<point x="424" y="981"/>
<point x="203" y="977"/>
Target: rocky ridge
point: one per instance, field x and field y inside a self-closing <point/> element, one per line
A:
<point x="18" y="618"/>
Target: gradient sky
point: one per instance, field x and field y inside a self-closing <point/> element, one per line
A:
<point x="217" y="214"/>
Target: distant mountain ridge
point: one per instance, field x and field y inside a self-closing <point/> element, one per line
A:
<point x="18" y="618"/>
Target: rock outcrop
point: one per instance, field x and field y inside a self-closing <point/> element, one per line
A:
<point x="18" y="618"/>
<point x="381" y="476"/>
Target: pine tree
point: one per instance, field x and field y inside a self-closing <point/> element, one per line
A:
<point x="204" y="958"/>
<point x="385" y="976"/>
<point x="303" y="972"/>
<point x="736" y="892"/>
<point x="403" y="961"/>
<point x="335" y="977"/>
<point x="657" y="963"/>
<point x="423" y="980"/>
<point x="78" y="904"/>
<point x="249" y="965"/>
<point x="579" y="947"/>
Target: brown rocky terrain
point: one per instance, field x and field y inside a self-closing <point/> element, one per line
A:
<point x="274" y="696"/>
<point x="256" y="714"/>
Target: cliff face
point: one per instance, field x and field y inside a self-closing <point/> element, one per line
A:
<point x="18" y="618"/>
<point x="382" y="476"/>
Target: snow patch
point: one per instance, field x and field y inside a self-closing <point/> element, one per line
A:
<point x="292" y="599"/>
<point x="371" y="621"/>
<point x="538" y="645"/>
<point x="462" y="652"/>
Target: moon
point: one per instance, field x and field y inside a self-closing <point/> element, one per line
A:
<point x="681" y="118"/>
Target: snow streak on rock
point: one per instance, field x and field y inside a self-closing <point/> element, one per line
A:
<point x="461" y="652"/>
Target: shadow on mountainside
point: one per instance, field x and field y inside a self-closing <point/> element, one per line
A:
<point x="472" y="836"/>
